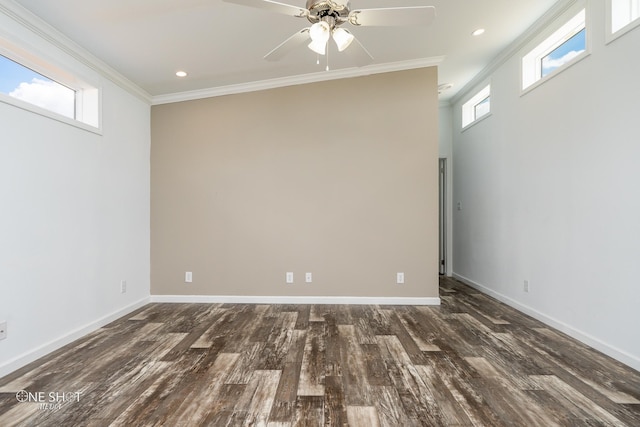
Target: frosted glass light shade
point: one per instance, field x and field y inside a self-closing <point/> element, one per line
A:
<point x="319" y="33"/>
<point x="343" y="38"/>
<point x="318" y="46"/>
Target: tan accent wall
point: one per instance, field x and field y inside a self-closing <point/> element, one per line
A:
<point x="336" y="178"/>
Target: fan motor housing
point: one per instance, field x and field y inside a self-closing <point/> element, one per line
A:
<point x="337" y="9"/>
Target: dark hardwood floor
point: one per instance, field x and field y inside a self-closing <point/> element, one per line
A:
<point x="470" y="362"/>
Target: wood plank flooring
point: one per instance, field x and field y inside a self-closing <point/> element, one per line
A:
<point x="470" y="362"/>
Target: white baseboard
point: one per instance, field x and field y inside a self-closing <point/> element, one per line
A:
<point x="293" y="300"/>
<point x="609" y="350"/>
<point x="32" y="355"/>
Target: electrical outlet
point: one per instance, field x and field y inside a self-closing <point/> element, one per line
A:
<point x="526" y="286"/>
<point x="400" y="278"/>
<point x="289" y="277"/>
<point x="3" y="330"/>
<point x="123" y="286"/>
<point x="308" y="277"/>
<point x="188" y="277"/>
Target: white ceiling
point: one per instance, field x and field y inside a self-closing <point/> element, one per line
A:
<point x="221" y="44"/>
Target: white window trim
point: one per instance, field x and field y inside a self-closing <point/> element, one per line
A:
<point x="27" y="106"/>
<point x="88" y="98"/>
<point x="469" y="107"/>
<point x="565" y="27"/>
<point x="610" y="35"/>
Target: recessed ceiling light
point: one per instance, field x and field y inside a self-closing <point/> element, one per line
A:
<point x="181" y="74"/>
<point x="478" y="32"/>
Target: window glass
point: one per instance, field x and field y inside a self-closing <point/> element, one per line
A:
<point x="623" y="12"/>
<point x="481" y="108"/>
<point x="476" y="107"/>
<point x="564" y="53"/>
<point x="565" y="46"/>
<point x="20" y="82"/>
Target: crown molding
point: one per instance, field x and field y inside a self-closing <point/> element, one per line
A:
<point x="51" y="35"/>
<point x="516" y="46"/>
<point x="54" y="37"/>
<point x="296" y="80"/>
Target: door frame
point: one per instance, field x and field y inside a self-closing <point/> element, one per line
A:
<point x="442" y="215"/>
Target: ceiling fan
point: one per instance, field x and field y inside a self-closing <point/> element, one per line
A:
<point x="327" y="18"/>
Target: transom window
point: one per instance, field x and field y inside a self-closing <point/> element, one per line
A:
<point x="22" y="83"/>
<point x="30" y="82"/>
<point x="564" y="47"/>
<point x="624" y="16"/>
<point x="564" y="53"/>
<point x="478" y="106"/>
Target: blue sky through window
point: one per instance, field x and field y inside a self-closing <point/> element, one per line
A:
<point x="12" y="74"/>
<point x="25" y="84"/>
<point x="565" y="52"/>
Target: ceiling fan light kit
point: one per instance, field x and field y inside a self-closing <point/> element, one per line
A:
<point x="326" y="18"/>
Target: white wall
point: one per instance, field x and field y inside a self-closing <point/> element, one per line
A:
<point x="549" y="189"/>
<point x="74" y="218"/>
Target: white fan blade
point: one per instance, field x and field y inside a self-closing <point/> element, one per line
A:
<point x="273" y="6"/>
<point x="359" y="54"/>
<point x="288" y="45"/>
<point x="393" y="16"/>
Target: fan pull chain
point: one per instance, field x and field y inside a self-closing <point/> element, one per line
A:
<point x="327" y="69"/>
